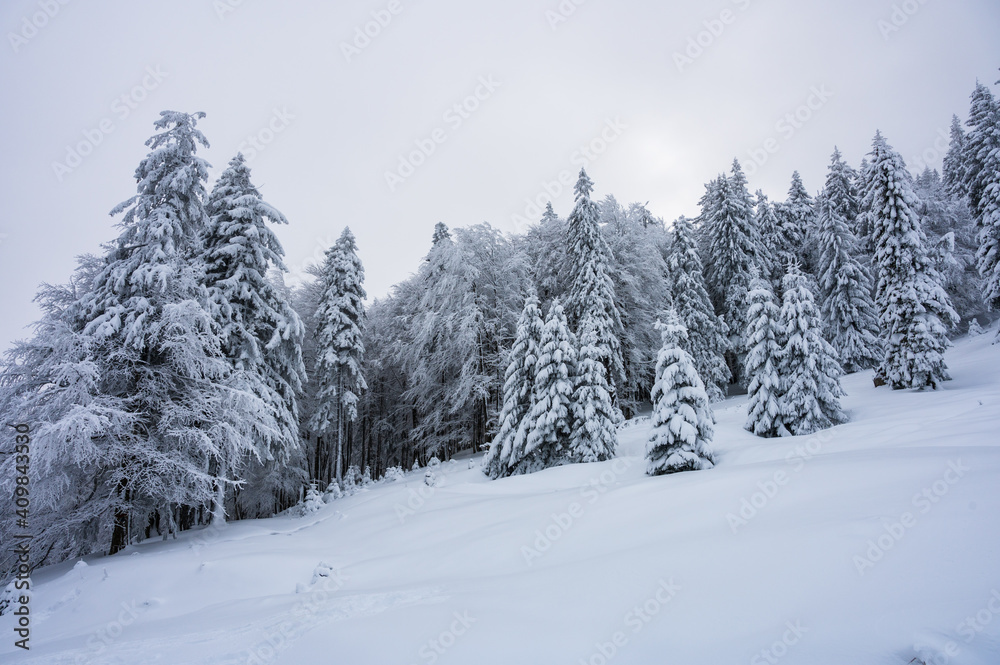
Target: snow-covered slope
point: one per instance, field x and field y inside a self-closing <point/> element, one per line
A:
<point x="871" y="543"/>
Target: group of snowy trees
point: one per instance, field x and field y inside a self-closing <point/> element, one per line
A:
<point x="559" y="386"/>
<point x="176" y="380"/>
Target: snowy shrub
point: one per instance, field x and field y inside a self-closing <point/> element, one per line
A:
<point x="313" y="501"/>
<point x="333" y="492"/>
<point x="366" y="477"/>
<point x="416" y="465"/>
<point x="433" y="463"/>
<point x="974" y="328"/>
<point x="432" y="479"/>
<point x="393" y="474"/>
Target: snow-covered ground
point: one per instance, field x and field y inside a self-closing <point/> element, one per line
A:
<point x="871" y="543"/>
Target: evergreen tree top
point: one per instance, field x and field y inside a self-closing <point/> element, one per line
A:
<point x="584" y="186"/>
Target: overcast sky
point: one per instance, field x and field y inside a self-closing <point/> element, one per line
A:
<point x="656" y="97"/>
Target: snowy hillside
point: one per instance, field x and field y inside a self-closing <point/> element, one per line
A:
<point x="874" y="542"/>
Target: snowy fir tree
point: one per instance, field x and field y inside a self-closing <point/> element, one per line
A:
<point x="594" y="436"/>
<point x="550" y="421"/>
<point x="707" y="333"/>
<point x="775" y="252"/>
<point x="517" y="392"/>
<point x="260" y="332"/>
<point x="914" y="309"/>
<point x="765" y="414"/>
<point x="338" y="369"/>
<point x="952" y="241"/>
<point x="979" y="147"/>
<point x="988" y="256"/>
<point x="845" y="287"/>
<point x="798" y="222"/>
<point x="953" y="168"/>
<point x="591" y="291"/>
<point x="841" y="189"/>
<point x="733" y="250"/>
<point x="683" y="423"/>
<point x="807" y="364"/>
<point x="146" y="307"/>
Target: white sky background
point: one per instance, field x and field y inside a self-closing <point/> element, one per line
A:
<point x="611" y="59"/>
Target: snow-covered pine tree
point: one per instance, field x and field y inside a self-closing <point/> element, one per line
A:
<point x="550" y="421"/>
<point x="683" y="423"/>
<point x="591" y="291"/>
<point x="841" y="189"/>
<point x="980" y="144"/>
<point x="988" y="255"/>
<point x="339" y="348"/>
<point x="733" y="251"/>
<point x="807" y="364"/>
<point x="798" y="222"/>
<point x="775" y="252"/>
<point x="517" y="392"/>
<point x="146" y="307"/>
<point x="953" y="168"/>
<point x="914" y="309"/>
<point x="260" y="332"/>
<point x="765" y="413"/>
<point x="707" y="333"/>
<point x="594" y="436"/>
<point x="845" y="287"/>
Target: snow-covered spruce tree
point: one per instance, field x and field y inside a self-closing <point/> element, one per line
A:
<point x="988" y="256"/>
<point x="775" y="251"/>
<point x="545" y="246"/>
<point x="845" y="287"/>
<point x="765" y="414"/>
<point x="953" y="168"/>
<point x="798" y="223"/>
<point x="517" y="392"/>
<point x="980" y="145"/>
<point x="549" y="423"/>
<point x="339" y="350"/>
<point x="707" y="333"/>
<point x="591" y="291"/>
<point x="914" y="309"/>
<point x="733" y="251"/>
<point x="594" y="436"/>
<point x="683" y="423"/>
<point x="841" y="189"/>
<point x="952" y="243"/>
<point x="165" y="355"/>
<point x="260" y="332"/>
<point x="807" y="364"/>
